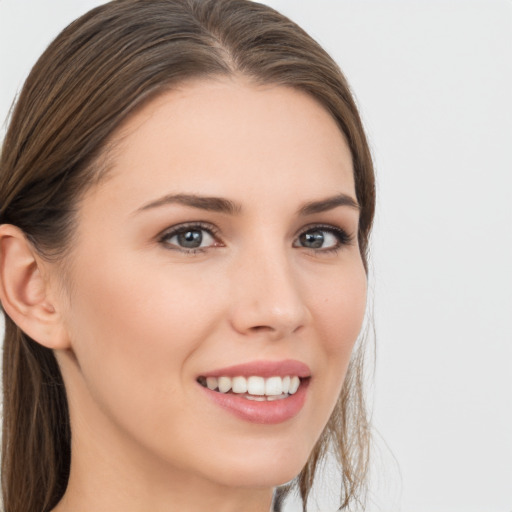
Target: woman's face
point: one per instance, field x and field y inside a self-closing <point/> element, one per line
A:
<point x="222" y="244"/>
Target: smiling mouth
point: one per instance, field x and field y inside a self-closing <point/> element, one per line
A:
<point x="255" y="388"/>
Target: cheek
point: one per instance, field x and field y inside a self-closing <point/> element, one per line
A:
<point x="339" y="309"/>
<point x="135" y="330"/>
<point x="140" y="308"/>
<point x="339" y="313"/>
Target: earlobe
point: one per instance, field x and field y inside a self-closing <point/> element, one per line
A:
<point x="25" y="293"/>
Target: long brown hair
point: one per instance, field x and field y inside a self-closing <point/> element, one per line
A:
<point x="98" y="70"/>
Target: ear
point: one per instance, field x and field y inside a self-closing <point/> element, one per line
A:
<point x="25" y="293"/>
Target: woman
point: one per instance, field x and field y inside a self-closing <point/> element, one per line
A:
<point x="187" y="195"/>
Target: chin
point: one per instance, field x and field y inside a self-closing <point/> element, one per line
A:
<point x="256" y="477"/>
<point x="254" y="469"/>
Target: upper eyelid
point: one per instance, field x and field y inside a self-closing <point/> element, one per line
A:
<point x="206" y="226"/>
<point x="215" y="231"/>
<point x="325" y="227"/>
<point x="320" y="225"/>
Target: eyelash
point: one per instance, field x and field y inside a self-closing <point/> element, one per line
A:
<point x="183" y="228"/>
<point x="343" y="238"/>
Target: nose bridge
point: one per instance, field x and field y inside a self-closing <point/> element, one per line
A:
<point x="268" y="297"/>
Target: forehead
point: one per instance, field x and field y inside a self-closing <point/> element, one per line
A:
<point x="230" y="137"/>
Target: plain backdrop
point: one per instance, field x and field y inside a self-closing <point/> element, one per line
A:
<point x="433" y="80"/>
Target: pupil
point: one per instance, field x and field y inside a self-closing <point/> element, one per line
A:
<point x="314" y="239"/>
<point x="190" y="239"/>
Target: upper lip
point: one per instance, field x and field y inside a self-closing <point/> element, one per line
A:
<point x="282" y="368"/>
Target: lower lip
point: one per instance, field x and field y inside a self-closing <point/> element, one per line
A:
<point x="265" y="412"/>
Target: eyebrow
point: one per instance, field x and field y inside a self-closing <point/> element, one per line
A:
<point x="222" y="205"/>
<point x="328" y="204"/>
<point x="213" y="204"/>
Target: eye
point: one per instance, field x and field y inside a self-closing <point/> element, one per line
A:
<point x="323" y="238"/>
<point x="190" y="238"/>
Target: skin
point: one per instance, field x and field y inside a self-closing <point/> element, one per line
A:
<point x="140" y="317"/>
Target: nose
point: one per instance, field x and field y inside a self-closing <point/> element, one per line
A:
<point x="267" y="297"/>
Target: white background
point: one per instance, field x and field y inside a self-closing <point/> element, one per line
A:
<point x="434" y="83"/>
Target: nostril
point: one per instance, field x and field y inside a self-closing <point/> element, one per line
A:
<point x="262" y="328"/>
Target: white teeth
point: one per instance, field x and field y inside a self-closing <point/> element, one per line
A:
<point x="256" y="398"/>
<point x="294" y="385"/>
<point x="286" y="384"/>
<point x="277" y="397"/>
<point x="211" y="382"/>
<point x="239" y="385"/>
<point x="274" y="386"/>
<point x="255" y="387"/>
<point x="224" y="384"/>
